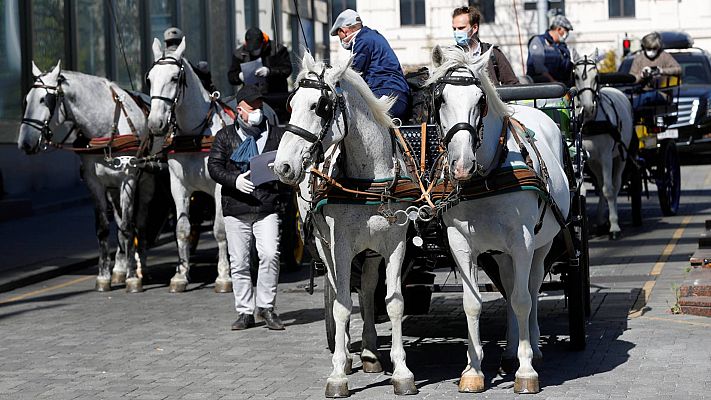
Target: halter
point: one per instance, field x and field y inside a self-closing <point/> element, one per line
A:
<point x="53" y="100"/>
<point x="182" y="84"/>
<point x="326" y="109"/>
<point x="438" y="89"/>
<point x="595" y="88"/>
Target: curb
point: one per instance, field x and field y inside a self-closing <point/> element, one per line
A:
<point x="39" y="276"/>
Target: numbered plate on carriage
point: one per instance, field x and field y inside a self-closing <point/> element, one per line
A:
<point x="668" y="134"/>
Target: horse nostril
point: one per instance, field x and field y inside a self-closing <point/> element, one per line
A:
<point x="284" y="169"/>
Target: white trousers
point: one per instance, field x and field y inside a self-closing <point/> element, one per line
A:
<point x="265" y="230"/>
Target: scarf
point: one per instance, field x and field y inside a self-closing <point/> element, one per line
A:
<point x="248" y="148"/>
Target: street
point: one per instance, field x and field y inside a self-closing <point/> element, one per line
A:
<point x="63" y="340"/>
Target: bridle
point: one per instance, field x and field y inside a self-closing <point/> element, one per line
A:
<point x="438" y="99"/>
<point x="330" y="100"/>
<point x="182" y="84"/>
<point x="53" y="99"/>
<point x="595" y="87"/>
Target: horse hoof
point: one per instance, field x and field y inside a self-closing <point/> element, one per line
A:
<point x="371" y="366"/>
<point x="134" y="285"/>
<point x="336" y="388"/>
<point x="118" y="277"/>
<point x="403" y="387"/>
<point x="223" y="286"/>
<point x="471" y="384"/>
<point x="103" y="285"/>
<point x="178" y="286"/>
<point x="614" y="235"/>
<point x="348" y="369"/>
<point x="526" y="385"/>
<point x="509" y="365"/>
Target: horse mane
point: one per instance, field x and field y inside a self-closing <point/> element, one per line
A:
<point x="378" y="106"/>
<point x="454" y="57"/>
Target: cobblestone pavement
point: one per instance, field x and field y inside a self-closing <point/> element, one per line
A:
<point x="62" y="340"/>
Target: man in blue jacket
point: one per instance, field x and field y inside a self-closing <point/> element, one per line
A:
<point x="374" y="59"/>
<point x="549" y="56"/>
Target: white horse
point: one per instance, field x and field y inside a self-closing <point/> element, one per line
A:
<point x="178" y="98"/>
<point x="87" y="102"/>
<point x="607" y="147"/>
<point x="504" y="223"/>
<point x="344" y="230"/>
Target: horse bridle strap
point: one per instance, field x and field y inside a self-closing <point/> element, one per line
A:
<point x="52" y="101"/>
<point x="449" y="79"/>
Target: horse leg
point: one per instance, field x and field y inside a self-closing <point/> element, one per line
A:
<point x="145" y="191"/>
<point x="535" y="281"/>
<point x="127" y="232"/>
<point x="181" y="196"/>
<point x="522" y="255"/>
<point x="402" y="379"/>
<point x="118" y="274"/>
<point x="617" y="170"/>
<point x="509" y="359"/>
<point x="101" y="225"/>
<point x="339" y="264"/>
<point x="472" y="378"/>
<point x="608" y="191"/>
<point x="369" y="355"/>
<point x="223" y="283"/>
<point x="596" y="169"/>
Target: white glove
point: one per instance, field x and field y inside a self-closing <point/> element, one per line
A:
<point x="243" y="184"/>
<point x="646" y="71"/>
<point x="262" y="71"/>
<point x="660" y="71"/>
<point x="241" y="76"/>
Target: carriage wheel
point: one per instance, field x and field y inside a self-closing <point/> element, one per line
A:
<point x="577" y="281"/>
<point x="633" y="175"/>
<point x="669" y="178"/>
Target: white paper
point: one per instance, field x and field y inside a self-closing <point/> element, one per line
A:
<point x="248" y="70"/>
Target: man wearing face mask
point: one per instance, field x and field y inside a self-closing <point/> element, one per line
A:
<point x="548" y="55"/>
<point x="374" y="59"/>
<point x="249" y="211"/>
<point x="276" y="66"/>
<point x="465" y="25"/>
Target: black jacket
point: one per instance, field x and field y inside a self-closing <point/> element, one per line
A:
<point x="267" y="198"/>
<point x="274" y="56"/>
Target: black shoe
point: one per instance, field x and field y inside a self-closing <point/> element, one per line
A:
<point x="271" y="319"/>
<point x="244" y="321"/>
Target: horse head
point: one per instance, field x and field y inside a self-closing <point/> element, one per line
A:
<point x="587" y="81"/>
<point x="41" y="104"/>
<point x="327" y="104"/>
<point x="166" y="80"/>
<point x="462" y="93"/>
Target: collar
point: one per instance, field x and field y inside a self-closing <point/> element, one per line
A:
<point x="261" y="142"/>
<point x="476" y="51"/>
<point x="549" y="39"/>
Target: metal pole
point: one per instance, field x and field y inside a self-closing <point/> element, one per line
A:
<point x="542" y="8"/>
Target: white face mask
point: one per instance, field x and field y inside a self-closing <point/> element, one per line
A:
<point x="651" y="54"/>
<point x="564" y="36"/>
<point x="349" y="44"/>
<point x="255" y="117"/>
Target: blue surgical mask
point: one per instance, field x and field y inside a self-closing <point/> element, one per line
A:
<point x="462" y="37"/>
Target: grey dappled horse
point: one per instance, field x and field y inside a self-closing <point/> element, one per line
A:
<point x="89" y="104"/>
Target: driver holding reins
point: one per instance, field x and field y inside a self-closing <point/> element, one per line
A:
<point x="652" y="62"/>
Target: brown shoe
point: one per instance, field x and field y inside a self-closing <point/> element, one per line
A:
<point x="244" y="321"/>
<point x="270" y="318"/>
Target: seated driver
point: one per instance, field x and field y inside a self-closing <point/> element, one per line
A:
<point x="650" y="63"/>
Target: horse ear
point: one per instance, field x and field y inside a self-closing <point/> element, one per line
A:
<point x="56" y="70"/>
<point x="307" y="62"/>
<point x="36" y="72"/>
<point x="157" y="52"/>
<point x="437" y="56"/>
<point x="181" y="49"/>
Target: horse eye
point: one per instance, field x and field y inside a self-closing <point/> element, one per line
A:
<point x="174" y="79"/>
<point x="313" y="106"/>
<point x="41" y="100"/>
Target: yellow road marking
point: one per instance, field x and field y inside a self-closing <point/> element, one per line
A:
<point x="638" y="307"/>
<point x="680" y="321"/>
<point x="47" y="289"/>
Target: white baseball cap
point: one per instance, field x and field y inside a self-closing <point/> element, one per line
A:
<point x="347" y="18"/>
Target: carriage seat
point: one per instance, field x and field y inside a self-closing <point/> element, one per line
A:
<point x="532" y="91"/>
<point x="616" y="79"/>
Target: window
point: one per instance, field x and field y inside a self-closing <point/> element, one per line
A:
<point x="251" y="14"/>
<point x="339" y="5"/>
<point x="10" y="70"/>
<point x="486" y="7"/>
<point x="621" y="8"/>
<point x="412" y="12"/>
<point x="192" y="23"/>
<point x="48" y="33"/>
<point x="128" y="71"/>
<point x="90" y="37"/>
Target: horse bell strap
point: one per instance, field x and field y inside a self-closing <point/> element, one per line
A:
<point x="412" y="165"/>
<point x="120" y="104"/>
